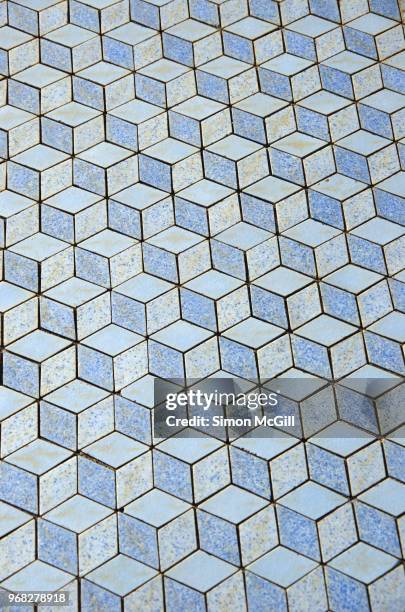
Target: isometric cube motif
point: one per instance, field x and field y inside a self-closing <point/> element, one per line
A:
<point x="326" y="116"/>
<point x="280" y="576"/>
<point x="99" y="15"/>
<point x="175" y="351"/>
<point x="191" y="471"/>
<point x="245" y="347"/>
<point x="75" y="308"/>
<point x="263" y="118"/>
<point x="132" y="46"/>
<point x="366" y="157"/>
<point x="70" y="48"/>
<point x="299" y="512"/>
<point x="285" y="297"/>
<point x="341" y="201"/>
<point x="235" y="162"/>
<point x="244" y="251"/>
<point x="38" y="17"/>
<point x="115" y="470"/>
<point x="73" y="214"/>
<point x="351" y="75"/>
<point x="108" y="258"/>
<point x="289" y="77"/>
<point x="214" y="301"/>
<point x="383" y="502"/>
<point x="260" y="467"/>
<point x="140" y="211"/>
<point x="136" y="125"/>
<point x="313" y="38"/>
<point x="38" y="476"/>
<point x="103" y="86"/>
<point x="313" y="248"/>
<point x="76" y="423"/>
<point x="165" y="83"/>
<point x="39" y="363"/>
<point x="206" y="207"/>
<point x="301" y="159"/>
<point x="234" y="518"/>
<point x="353" y="293"/>
<point x="252" y="39"/>
<point x="39" y="172"/>
<point x="200" y="196"/>
<point x="199" y="121"/>
<point x="104" y="586"/>
<point x="170" y="165"/>
<point x="18" y="50"/>
<point x="72" y="128"/>
<point x="160" y="539"/>
<point x="39" y="89"/>
<point x="191" y="43"/>
<point x="358" y="578"/>
<point x="176" y="254"/>
<point x="105" y="169"/>
<point x="112" y="357"/>
<point x="273" y="202"/>
<point x="38" y="262"/>
<point x="377" y="245"/>
<point x="374" y="36"/>
<point x="384" y="113"/>
<point x="345" y="458"/>
<point x="328" y="347"/>
<point x="68" y="533"/>
<point x="144" y="304"/>
<point x="226" y="80"/>
<point x="185" y="584"/>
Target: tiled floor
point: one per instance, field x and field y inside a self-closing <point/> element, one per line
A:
<point x="193" y="189"/>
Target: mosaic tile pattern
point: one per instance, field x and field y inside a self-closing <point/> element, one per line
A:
<point x="193" y="189"/>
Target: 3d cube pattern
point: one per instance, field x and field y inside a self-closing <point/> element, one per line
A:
<point x="190" y="190"/>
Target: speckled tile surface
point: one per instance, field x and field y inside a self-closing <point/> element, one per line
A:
<point x="197" y="193"/>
